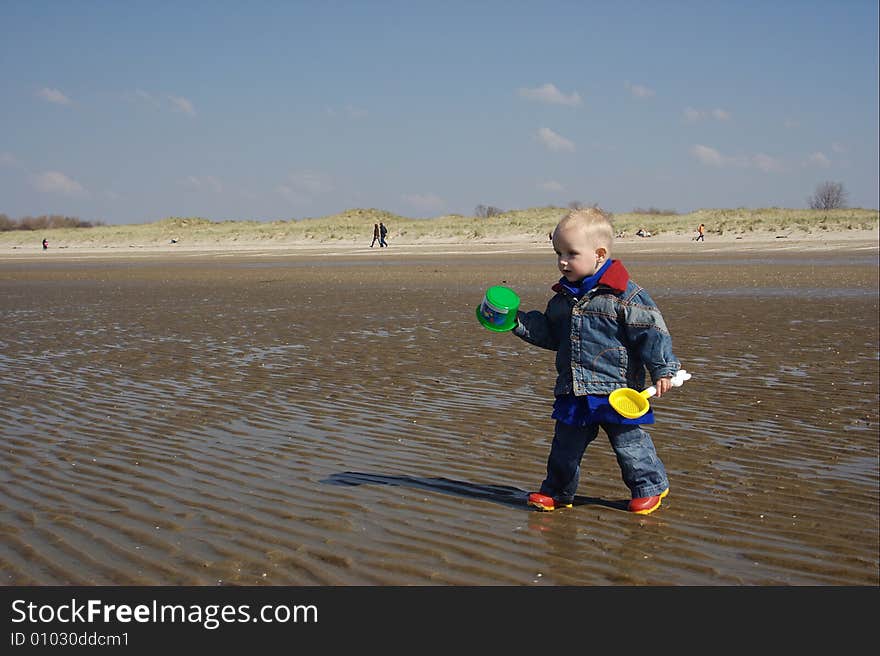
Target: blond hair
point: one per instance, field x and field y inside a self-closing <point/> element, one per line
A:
<point x="595" y="223"/>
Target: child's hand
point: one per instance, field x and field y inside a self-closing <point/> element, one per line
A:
<point x="663" y="385"/>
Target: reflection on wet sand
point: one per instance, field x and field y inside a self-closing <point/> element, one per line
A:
<point x="286" y="422"/>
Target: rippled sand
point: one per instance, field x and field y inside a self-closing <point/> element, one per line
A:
<point x="303" y="420"/>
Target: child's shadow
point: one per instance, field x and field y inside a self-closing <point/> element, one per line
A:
<point x="506" y="495"/>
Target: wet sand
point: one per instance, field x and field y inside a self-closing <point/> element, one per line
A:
<point x="291" y="419"/>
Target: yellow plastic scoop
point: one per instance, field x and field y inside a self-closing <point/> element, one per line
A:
<point x="632" y="404"/>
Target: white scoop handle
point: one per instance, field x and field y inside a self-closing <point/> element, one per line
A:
<point x="677" y="381"/>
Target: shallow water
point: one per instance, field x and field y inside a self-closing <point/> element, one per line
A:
<point x="297" y="421"/>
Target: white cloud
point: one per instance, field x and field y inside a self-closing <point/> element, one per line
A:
<point x="838" y="147"/>
<point x="203" y="183"/>
<point x="551" y="185"/>
<point x="818" y="159"/>
<point x="639" y="91"/>
<point x="53" y="96"/>
<point x="712" y="157"/>
<point x="146" y="97"/>
<point x="708" y="156"/>
<point x="425" y="202"/>
<point x="163" y="102"/>
<point x="54" y="182"/>
<point x="718" y="114"/>
<point x="182" y="105"/>
<point x="790" y="124"/>
<point x="548" y="93"/>
<point x="766" y="163"/>
<point x="554" y="141"/>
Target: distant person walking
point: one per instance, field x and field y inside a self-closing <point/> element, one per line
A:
<point x="376" y="236"/>
<point x="382" y="232"/>
<point x="700" y="233"/>
<point x="45" y="244"/>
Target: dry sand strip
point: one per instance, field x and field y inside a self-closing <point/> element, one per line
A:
<point x="849" y="240"/>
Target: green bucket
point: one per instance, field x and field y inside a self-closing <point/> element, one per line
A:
<point x="498" y="310"/>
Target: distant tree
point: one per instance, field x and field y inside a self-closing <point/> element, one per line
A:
<point x="484" y="211"/>
<point x="32" y="223"/>
<point x="828" y="196"/>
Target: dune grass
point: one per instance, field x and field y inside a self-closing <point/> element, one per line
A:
<point x="356" y="225"/>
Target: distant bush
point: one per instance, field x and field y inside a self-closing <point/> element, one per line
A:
<point x="654" y="210"/>
<point x="578" y="205"/>
<point x="484" y="212"/>
<point x="44" y="222"/>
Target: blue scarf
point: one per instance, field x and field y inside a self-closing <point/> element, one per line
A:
<point x="579" y="289"/>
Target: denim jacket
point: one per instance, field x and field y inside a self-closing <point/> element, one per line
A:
<point x="604" y="340"/>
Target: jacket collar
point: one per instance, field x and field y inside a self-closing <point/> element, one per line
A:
<point x="615" y="277"/>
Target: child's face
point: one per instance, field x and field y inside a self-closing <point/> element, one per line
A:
<point x="576" y="256"/>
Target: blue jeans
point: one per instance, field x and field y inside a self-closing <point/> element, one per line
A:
<point x="640" y="467"/>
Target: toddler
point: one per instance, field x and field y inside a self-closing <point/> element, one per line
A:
<point x="606" y="331"/>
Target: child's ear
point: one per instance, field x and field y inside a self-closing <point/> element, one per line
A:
<point x="601" y="253"/>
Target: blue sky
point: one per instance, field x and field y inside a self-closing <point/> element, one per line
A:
<point x="129" y="112"/>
